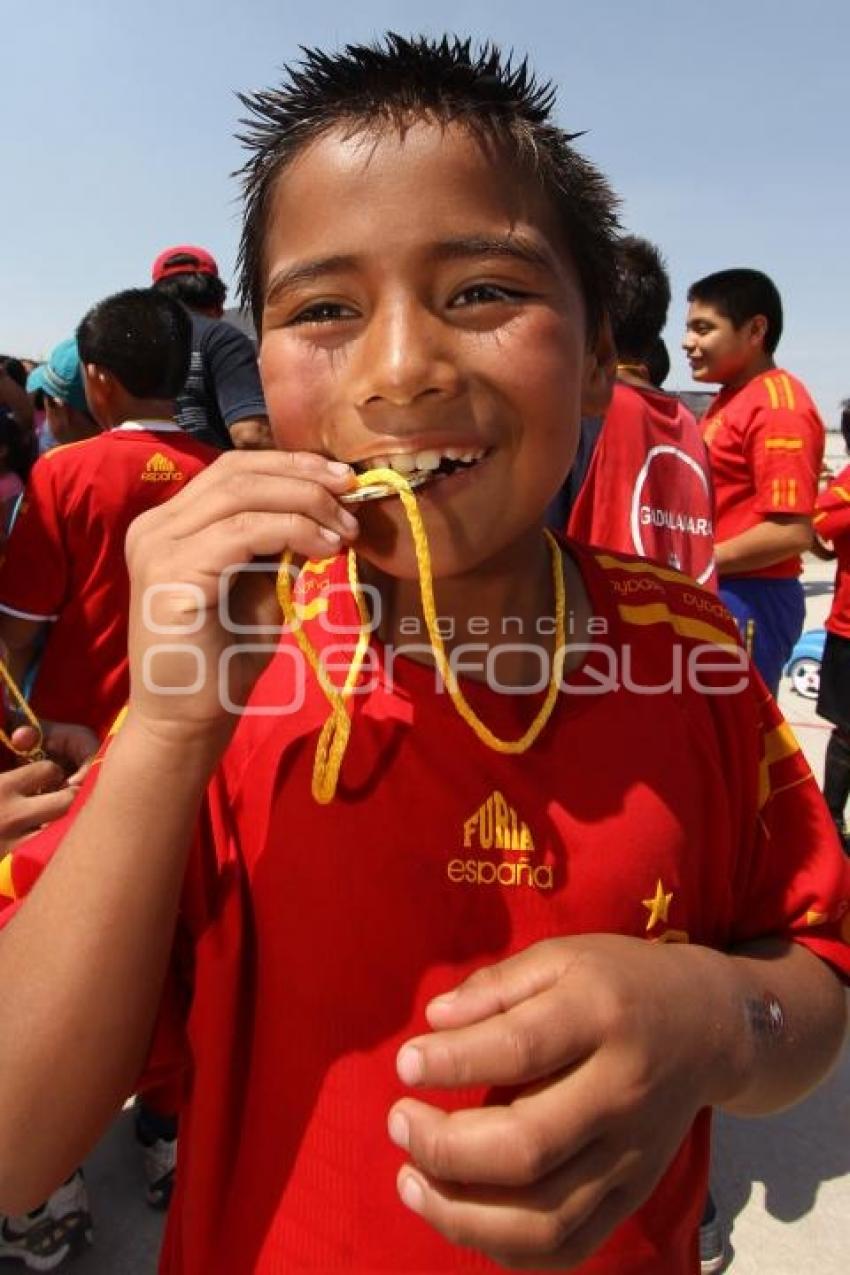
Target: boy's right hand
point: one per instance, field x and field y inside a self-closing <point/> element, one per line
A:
<point x="246" y="505"/>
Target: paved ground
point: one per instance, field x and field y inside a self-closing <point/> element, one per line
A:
<point x="782" y="1183"/>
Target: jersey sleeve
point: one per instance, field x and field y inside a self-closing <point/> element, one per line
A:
<point x="34" y="573"/>
<point x="795" y="882"/>
<point x="784" y="449"/>
<point x="832" y="509"/>
<point x="232" y="369"/>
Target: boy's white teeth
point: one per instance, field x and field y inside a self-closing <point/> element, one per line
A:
<point x="403" y="463"/>
<point x="425" y="461"/>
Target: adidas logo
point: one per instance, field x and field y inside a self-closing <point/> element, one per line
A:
<point x="160" y="469"/>
<point x="497" y="826"/>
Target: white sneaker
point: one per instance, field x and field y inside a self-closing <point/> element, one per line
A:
<point x="59" y="1228"/>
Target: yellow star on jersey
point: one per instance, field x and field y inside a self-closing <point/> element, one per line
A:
<point x="658" y="907"/>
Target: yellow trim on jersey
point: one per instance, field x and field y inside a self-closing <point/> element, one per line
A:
<point x="842" y="492"/>
<point x="7" y="885"/>
<point x="644" y="568"/>
<point x="775" y="492"/>
<point x="660" y="613"/>
<point x="53" y="452"/>
<point x="793" y="443"/>
<point x="309" y="610"/>
<point x="789" y="391"/>
<point x="119" y="722"/>
<point x="779" y="744"/>
<point x="792" y="492"/>
<point x="311" y="568"/>
<point x="771" y="389"/>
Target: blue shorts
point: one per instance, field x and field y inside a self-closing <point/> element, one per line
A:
<point x="770" y="615"/>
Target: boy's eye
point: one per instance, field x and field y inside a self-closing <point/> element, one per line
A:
<point x="481" y="293"/>
<point x="323" y="312"/>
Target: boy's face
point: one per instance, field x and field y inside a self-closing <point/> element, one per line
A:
<point x="418" y="299"/>
<point x="717" y="351"/>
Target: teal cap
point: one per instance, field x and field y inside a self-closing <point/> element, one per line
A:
<point x="61" y="376"/>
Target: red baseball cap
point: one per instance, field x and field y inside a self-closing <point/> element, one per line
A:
<point x="184" y="258"/>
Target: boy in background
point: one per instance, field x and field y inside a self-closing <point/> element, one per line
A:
<point x="765" y="441"/>
<point x="648" y="487"/>
<point x="64" y="592"/>
<point x="514" y="939"/>
<point x="222" y="401"/>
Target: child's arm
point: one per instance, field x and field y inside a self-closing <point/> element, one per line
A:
<point x="771" y="540"/>
<point x="619" y="1043"/>
<point x="83" y="961"/>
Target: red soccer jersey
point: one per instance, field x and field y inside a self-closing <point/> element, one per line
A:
<point x="765" y="442"/>
<point x="64" y="562"/>
<point x="648" y="489"/>
<point x="315" y="935"/>
<point x="832" y="522"/>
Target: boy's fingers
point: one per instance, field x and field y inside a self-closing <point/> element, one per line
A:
<point x="551" y="1227"/>
<point x="237" y="477"/>
<point x="31" y="813"/>
<point x="243" y="494"/>
<point x="534" y="1039"/>
<point x="508" y="1146"/>
<point x="496" y="988"/>
<point x="36" y="777"/>
<point x="24" y="738"/>
<point x="239" y="540"/>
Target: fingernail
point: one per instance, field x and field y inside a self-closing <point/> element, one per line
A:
<point x="349" y="521"/>
<point x="339" y="467"/>
<point x="410" y="1065"/>
<point x="411" y="1192"/>
<point x="333" y="536"/>
<point x="399" y="1130"/>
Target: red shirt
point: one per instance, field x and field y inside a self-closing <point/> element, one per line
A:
<point x="648" y="489"/>
<point x="765" y="442"/>
<point x="64" y="561"/>
<point x="832" y="522"/>
<point x="315" y="935"/>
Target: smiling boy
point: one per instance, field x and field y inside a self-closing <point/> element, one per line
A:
<point x="430" y="263"/>
<point x="765" y="442"/>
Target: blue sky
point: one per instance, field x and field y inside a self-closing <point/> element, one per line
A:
<point x="723" y="126"/>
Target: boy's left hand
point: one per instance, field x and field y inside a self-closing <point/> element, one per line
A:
<point x="70" y="746"/>
<point x="616" y="1044"/>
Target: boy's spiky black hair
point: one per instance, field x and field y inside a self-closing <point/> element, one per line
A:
<point x="398" y="79"/>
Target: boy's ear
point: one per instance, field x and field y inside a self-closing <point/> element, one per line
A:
<point x="600" y="369"/>
<point x="758" y="329"/>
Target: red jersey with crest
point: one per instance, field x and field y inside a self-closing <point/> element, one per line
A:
<point x="312" y="937"/>
<point x="832" y="522"/>
<point x="765" y="442"/>
<point x="648" y="489"/>
<point x="64" y="562"/>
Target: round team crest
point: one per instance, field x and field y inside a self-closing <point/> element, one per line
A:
<point x="671" y="513"/>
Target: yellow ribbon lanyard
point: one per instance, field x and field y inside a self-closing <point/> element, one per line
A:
<point x="335" y="733"/>
<point x="36" y="753"/>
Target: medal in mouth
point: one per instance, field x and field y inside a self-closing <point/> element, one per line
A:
<point x="418" y="468"/>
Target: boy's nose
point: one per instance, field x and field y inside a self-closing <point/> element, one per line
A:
<point x="402" y="356"/>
